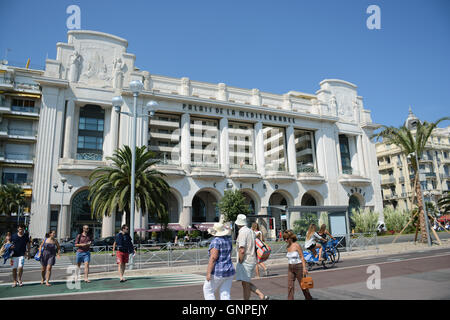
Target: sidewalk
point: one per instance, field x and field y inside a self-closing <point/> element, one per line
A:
<point x="371" y="251"/>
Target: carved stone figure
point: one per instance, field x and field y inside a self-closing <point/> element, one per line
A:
<point x="74" y="66"/>
<point x="333" y="105"/>
<point x="147" y="83"/>
<point x="118" y="68"/>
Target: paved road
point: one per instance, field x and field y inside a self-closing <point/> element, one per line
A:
<point x="418" y="275"/>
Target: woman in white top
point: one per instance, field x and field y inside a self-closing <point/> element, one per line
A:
<point x="313" y="241"/>
<point x="296" y="261"/>
<point x="259" y="235"/>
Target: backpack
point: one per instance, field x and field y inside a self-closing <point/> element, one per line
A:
<point x="262" y="250"/>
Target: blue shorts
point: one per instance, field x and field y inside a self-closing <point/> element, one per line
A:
<point x="83" y="257"/>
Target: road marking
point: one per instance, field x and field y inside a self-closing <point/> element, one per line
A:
<point x="174" y="280"/>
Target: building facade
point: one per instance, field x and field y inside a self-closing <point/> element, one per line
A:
<point x="397" y="175"/>
<point x="20" y="99"/>
<point x="281" y="151"/>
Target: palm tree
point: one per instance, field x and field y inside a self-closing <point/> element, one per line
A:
<point x="109" y="187"/>
<point x="444" y="203"/>
<point x="412" y="138"/>
<point x="12" y="199"/>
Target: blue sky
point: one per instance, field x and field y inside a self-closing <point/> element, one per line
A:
<point x="275" y="46"/>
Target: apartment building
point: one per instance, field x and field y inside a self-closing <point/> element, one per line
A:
<point x="282" y="151"/>
<point x="397" y="175"/>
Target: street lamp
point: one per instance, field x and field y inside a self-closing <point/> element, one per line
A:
<point x="423" y="201"/>
<point x="55" y="186"/>
<point x="136" y="87"/>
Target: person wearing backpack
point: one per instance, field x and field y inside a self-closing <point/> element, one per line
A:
<point x="259" y="263"/>
<point x="83" y="242"/>
<point x="125" y="247"/>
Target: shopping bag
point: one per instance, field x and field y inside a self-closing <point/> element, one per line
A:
<point x="262" y="250"/>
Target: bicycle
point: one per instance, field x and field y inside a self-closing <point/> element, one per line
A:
<point x="332" y="246"/>
<point x="328" y="257"/>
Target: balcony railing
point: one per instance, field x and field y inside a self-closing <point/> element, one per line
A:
<point x="89" y="156"/>
<point x="205" y="164"/>
<point x="347" y="171"/>
<point x="168" y="162"/>
<point x="243" y="166"/>
<point x="304" y="168"/>
<point x="280" y="167"/>
<point x="20" y="182"/>
<point x="26" y="109"/>
<point x="21" y="132"/>
<point x="389" y="180"/>
<point x="16" y="156"/>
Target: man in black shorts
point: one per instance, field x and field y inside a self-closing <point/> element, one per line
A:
<point x="21" y="247"/>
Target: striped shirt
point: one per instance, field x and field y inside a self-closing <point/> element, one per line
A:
<point x="223" y="266"/>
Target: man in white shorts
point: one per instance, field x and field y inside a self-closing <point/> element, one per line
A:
<point x="21" y="247"/>
<point x="246" y="257"/>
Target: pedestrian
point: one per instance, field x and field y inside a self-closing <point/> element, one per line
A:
<point x="312" y="241"/>
<point x="50" y="250"/>
<point x="297" y="266"/>
<point x="220" y="271"/>
<point x="246" y="257"/>
<point x="6" y="251"/>
<point x="83" y="242"/>
<point x="125" y="247"/>
<point x="21" y="247"/>
<point x="259" y="263"/>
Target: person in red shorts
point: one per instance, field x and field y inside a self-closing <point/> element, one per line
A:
<point x="124" y="247"/>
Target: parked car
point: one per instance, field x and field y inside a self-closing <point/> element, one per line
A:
<point x="67" y="246"/>
<point x="103" y="242"/>
<point x="205" y="243"/>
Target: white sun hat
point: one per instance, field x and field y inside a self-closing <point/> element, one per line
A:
<point x="219" y="230"/>
<point x="241" y="220"/>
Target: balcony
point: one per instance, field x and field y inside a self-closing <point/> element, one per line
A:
<point x="19" y="134"/>
<point x="385" y="166"/>
<point x="26" y="111"/>
<point x="171" y="168"/>
<point x="390" y="180"/>
<point x="244" y="172"/>
<point x="81" y="167"/>
<point x="430" y="175"/>
<point x="206" y="171"/>
<point x="308" y="174"/>
<point x="17" y="158"/>
<point x="350" y="177"/>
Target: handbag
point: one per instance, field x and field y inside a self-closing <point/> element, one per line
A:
<point x="38" y="254"/>
<point x="306" y="283"/>
<point x="262" y="250"/>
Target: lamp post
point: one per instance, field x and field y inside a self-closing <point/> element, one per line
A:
<point x="136" y="87"/>
<point x="55" y="186"/>
<point x="423" y="201"/>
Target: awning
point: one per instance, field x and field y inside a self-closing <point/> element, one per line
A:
<point x="154" y="228"/>
<point x="175" y="227"/>
<point x="28" y="95"/>
<point x="204" y="226"/>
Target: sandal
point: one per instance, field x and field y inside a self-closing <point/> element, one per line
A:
<point x="20" y="284"/>
<point x="48" y="284"/>
<point x="87" y="281"/>
<point x="14" y="285"/>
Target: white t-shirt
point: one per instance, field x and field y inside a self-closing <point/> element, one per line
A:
<point x="314" y="238"/>
<point x="246" y="239"/>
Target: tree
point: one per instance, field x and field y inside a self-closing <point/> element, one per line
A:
<point x="232" y="204"/>
<point x="412" y="138"/>
<point x="12" y="199"/>
<point x="444" y="203"/>
<point x="301" y="226"/>
<point x="109" y="187"/>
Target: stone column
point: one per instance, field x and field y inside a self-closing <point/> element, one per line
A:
<point x="63" y="223"/>
<point x="360" y="152"/>
<point x="108" y="224"/>
<point x="185" y="144"/>
<point x="114" y="127"/>
<point x="291" y="152"/>
<point x="224" y="147"/>
<point x="186" y="216"/>
<point x="68" y="132"/>
<point x="259" y="149"/>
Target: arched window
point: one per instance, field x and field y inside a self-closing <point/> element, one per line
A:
<point x="81" y="215"/>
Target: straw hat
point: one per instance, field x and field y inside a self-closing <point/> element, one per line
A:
<point x="219" y="230"/>
<point x="241" y="220"/>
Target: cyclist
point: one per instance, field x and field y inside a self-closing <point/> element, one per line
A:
<point x="312" y="241"/>
<point x="323" y="232"/>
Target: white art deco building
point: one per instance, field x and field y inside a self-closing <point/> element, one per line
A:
<point x="282" y="151"/>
